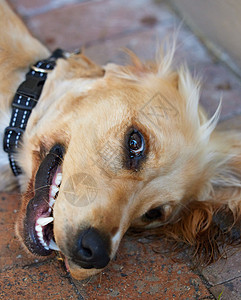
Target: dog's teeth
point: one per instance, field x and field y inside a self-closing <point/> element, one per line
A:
<point x="51" y="201"/>
<point x="58" y="179"/>
<point x="43" y="242"/>
<point x="54" y="190"/>
<point x="53" y="246"/>
<point x="38" y="228"/>
<point x="45" y="221"/>
<point x="40" y="234"/>
<point x="41" y="239"/>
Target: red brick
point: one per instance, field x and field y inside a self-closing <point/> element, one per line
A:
<point x="84" y="23"/>
<point x="12" y="253"/>
<point x="219" y="83"/>
<point x="145" y="44"/>
<point x="47" y="281"/>
<point x="139" y="272"/>
<point x="26" y="7"/>
<point x="233" y="123"/>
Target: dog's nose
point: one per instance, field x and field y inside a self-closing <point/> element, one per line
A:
<point x="91" y="249"/>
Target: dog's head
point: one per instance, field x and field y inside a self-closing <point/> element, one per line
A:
<point x="106" y="149"/>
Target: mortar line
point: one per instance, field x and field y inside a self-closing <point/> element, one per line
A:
<point x="226" y="281"/>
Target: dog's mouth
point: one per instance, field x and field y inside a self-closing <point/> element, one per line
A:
<point x="38" y="223"/>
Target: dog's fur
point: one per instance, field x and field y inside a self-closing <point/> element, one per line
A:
<point x="190" y="170"/>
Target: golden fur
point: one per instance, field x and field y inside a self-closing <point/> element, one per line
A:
<point x="191" y="170"/>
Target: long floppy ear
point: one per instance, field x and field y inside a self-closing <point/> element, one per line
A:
<point x="211" y="221"/>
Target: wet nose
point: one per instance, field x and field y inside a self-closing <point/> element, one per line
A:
<point x="91" y="249"/>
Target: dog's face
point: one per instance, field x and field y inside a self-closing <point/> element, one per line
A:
<point x="106" y="151"/>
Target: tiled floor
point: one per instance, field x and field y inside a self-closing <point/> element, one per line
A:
<point x="103" y="27"/>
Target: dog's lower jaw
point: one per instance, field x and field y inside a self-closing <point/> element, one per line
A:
<point x="80" y="273"/>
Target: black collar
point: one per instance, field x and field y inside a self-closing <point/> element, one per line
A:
<point x="25" y="99"/>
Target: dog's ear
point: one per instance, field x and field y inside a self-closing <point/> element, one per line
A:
<point x="81" y="66"/>
<point x="78" y="66"/>
<point x="211" y="220"/>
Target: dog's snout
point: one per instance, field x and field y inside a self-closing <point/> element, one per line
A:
<point x="91" y="249"/>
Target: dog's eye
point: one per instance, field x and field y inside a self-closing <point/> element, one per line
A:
<point x="153" y="214"/>
<point x="135" y="149"/>
<point x="136" y="143"/>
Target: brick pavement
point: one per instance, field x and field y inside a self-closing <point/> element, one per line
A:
<point x="102" y="27"/>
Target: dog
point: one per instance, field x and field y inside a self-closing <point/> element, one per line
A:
<point x="108" y="148"/>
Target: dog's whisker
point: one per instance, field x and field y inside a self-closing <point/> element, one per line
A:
<point x="35" y="190"/>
